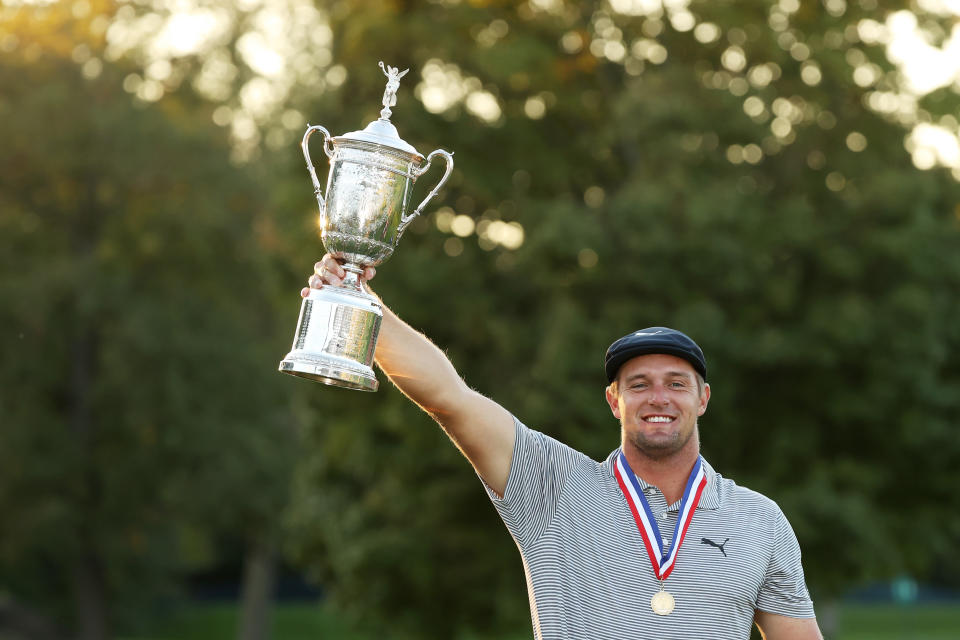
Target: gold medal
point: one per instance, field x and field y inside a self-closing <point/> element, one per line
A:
<point x="662" y="603"/>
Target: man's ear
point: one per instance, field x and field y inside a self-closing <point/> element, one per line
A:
<point x="613" y="400"/>
<point x="704" y="399"/>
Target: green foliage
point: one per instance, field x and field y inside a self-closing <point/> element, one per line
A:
<point x="136" y="387"/>
<point x="819" y="280"/>
<point x="145" y="431"/>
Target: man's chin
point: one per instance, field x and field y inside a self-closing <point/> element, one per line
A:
<point x="657" y="448"/>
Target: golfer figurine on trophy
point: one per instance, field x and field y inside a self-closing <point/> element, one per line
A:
<point x="362" y="217"/>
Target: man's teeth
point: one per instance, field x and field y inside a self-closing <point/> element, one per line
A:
<point x="659" y="419"/>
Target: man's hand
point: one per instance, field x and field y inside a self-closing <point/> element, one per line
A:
<point x="329" y="271"/>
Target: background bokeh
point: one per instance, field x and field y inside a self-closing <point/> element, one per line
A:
<point x="781" y="180"/>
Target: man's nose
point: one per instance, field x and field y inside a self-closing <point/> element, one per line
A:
<point x="658" y="395"/>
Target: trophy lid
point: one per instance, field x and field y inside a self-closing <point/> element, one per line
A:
<point x="381" y="131"/>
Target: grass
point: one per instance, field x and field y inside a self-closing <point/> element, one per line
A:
<point x="313" y="622"/>
<point x="899" y="622"/>
<point x="220" y="622"/>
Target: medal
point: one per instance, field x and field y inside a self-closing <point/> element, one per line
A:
<point x="661" y="560"/>
<point x="662" y="603"/>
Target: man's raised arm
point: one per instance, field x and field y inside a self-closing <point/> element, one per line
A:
<point x="481" y="428"/>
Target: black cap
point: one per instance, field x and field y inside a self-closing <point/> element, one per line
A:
<point x="654" y="340"/>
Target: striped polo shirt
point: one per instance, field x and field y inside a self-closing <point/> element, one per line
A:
<point x="588" y="573"/>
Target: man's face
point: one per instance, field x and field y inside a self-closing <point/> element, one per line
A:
<point x="657" y="400"/>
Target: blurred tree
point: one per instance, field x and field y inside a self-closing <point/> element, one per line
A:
<point x="137" y="388"/>
<point x="742" y="172"/>
<point x="724" y="169"/>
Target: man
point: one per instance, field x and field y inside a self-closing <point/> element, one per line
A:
<point x="651" y="543"/>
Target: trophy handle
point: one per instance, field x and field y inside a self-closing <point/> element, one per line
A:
<point x="328" y="149"/>
<point x="448" y="158"/>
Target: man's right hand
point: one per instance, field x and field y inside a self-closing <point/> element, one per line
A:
<point x="330" y="271"/>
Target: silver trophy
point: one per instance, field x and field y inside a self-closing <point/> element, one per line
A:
<point x="362" y="217"/>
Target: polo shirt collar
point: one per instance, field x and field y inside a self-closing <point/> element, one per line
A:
<point x="711" y="494"/>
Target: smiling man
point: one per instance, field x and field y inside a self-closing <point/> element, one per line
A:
<point x="649" y="543"/>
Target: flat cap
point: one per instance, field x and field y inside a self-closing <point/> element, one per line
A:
<point x="654" y="340"/>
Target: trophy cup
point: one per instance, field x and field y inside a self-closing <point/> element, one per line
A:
<point x="362" y="217"/>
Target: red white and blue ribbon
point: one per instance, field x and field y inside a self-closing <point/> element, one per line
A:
<point x="663" y="560"/>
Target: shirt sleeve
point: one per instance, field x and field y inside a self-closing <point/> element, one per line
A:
<point x="537" y="474"/>
<point x="784" y="590"/>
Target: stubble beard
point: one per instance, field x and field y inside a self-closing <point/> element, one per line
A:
<point x="660" y="449"/>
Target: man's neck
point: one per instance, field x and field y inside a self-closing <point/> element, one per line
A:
<point x="669" y="474"/>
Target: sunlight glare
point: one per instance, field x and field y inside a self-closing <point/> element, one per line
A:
<point x="484" y="105"/>
<point x="190" y="32"/>
<point x="259" y="56"/>
<point x="444" y="85"/>
<point x="930" y="145"/>
<point x="636" y="7"/>
<point x="926" y="67"/>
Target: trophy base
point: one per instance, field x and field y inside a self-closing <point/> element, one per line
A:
<point x="336" y="338"/>
<point x="332" y="373"/>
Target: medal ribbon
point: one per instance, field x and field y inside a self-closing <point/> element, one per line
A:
<point x="661" y="560"/>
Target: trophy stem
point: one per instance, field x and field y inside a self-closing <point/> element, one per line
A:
<point x="352" y="268"/>
<point x="352" y="280"/>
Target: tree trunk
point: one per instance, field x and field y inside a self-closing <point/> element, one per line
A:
<point x="259" y="576"/>
<point x="89" y="579"/>
<point x="90" y="598"/>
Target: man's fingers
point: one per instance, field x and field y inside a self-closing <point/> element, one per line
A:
<point x="321" y="268"/>
<point x="329" y="266"/>
<point x="318" y="282"/>
<point x="304" y="292"/>
<point x="329" y="271"/>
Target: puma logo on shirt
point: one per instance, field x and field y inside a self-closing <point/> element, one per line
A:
<point x="714" y="544"/>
